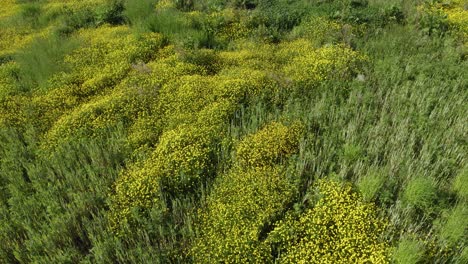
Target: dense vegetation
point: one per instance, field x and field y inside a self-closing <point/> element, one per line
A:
<point x="236" y="131"/>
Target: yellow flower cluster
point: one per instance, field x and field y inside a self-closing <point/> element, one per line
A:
<point x="8" y="8"/>
<point x="317" y="30"/>
<point x="11" y="111"/>
<point x="458" y="19"/>
<point x="340" y="228"/>
<point x="249" y="55"/>
<point x="108" y="57"/>
<point x="165" y="4"/>
<point x="244" y="200"/>
<point x="14" y="39"/>
<point x="189" y="119"/>
<point x="233" y="24"/>
<point x="308" y="67"/>
<point x="104" y="63"/>
<point x="193" y="110"/>
<point x="92" y="118"/>
<point x="269" y="145"/>
<point x="180" y="159"/>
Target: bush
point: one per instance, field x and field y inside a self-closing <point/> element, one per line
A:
<point x="111" y="13"/>
<point x="318" y="30"/>
<point x="180" y="162"/>
<point x="73" y="20"/>
<point x="94" y="118"/>
<point x="269" y="145"/>
<point x="370" y="185"/>
<point x="408" y="251"/>
<point x="30" y="13"/>
<point x="420" y="192"/>
<point x="9" y="79"/>
<point x="241" y="204"/>
<point x="307" y="67"/>
<point x="454" y="229"/>
<point x="339" y="228"/>
<point x="433" y="21"/>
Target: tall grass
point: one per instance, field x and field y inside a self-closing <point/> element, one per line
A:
<point x="43" y="58"/>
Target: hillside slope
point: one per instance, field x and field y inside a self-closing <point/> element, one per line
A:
<point x="240" y="131"/>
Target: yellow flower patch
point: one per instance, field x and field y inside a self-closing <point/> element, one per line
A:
<point x="340" y="228"/>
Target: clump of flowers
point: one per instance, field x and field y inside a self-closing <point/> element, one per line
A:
<point x="269" y="145"/>
<point x="339" y="228"/>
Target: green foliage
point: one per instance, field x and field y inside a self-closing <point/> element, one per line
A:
<point x="73" y="20"/>
<point x="408" y="251"/>
<point x="42" y="59"/>
<point x="31" y="13"/>
<point x="420" y="193"/>
<point x="111" y="13"/>
<point x="137" y="11"/>
<point x="454" y="229"/>
<point x="52" y="201"/>
<point x="460" y="184"/>
<point x="433" y="20"/>
<point x="371" y="184"/>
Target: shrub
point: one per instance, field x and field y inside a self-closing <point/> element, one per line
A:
<point x="93" y="118"/>
<point x="13" y="112"/>
<point x="269" y="145"/>
<point x="420" y="192"/>
<point x="181" y="160"/>
<point x="408" y="251"/>
<point x="370" y="184"/>
<point x="318" y="30"/>
<point x="100" y="64"/>
<point x="111" y="13"/>
<point x="308" y="66"/>
<point x="30" y="13"/>
<point x="454" y="229"/>
<point x="438" y="18"/>
<point x="9" y="79"/>
<point x="73" y="20"/>
<point x="184" y="97"/>
<point x="240" y="205"/>
<point x="339" y="228"/>
<point x="433" y="21"/>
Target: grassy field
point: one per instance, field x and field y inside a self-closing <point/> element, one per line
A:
<point x="239" y="131"/>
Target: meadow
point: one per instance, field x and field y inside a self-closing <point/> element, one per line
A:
<point x="233" y="131"/>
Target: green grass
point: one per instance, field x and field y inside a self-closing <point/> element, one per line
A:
<point x="43" y="58"/>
